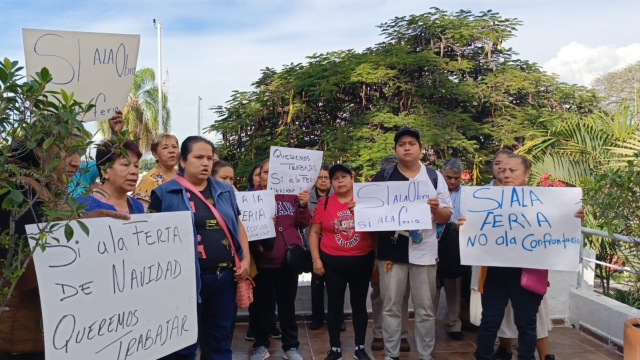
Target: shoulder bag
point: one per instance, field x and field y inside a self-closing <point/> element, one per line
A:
<point x="244" y="294"/>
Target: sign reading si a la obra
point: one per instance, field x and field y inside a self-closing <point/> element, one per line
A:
<point x="126" y="291"/>
<point x="392" y="205"/>
<point x="97" y="68"/>
<point x="257" y="211"/>
<point x="292" y="171"/>
<point x="523" y="227"/>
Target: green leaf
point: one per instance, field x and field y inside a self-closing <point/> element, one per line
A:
<point x="73" y="203"/>
<point x="47" y="143"/>
<point x="68" y="232"/>
<point x="4" y="190"/>
<point x="65" y="96"/>
<point x="16" y="196"/>
<point x="83" y="227"/>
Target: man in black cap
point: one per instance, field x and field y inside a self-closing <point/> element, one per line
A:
<point x="411" y="255"/>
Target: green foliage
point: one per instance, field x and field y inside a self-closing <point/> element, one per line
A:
<point x="48" y="123"/>
<point x="446" y="74"/>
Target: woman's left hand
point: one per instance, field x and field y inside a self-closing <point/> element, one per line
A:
<point x="303" y="197"/>
<point x="580" y="215"/>
<point x="243" y="273"/>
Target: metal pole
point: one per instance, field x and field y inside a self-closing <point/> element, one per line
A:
<point x="160" y="77"/>
<point x="199" y="115"/>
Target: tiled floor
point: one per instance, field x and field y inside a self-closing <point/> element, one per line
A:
<point x="566" y="344"/>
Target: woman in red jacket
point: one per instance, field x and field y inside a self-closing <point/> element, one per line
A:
<point x="292" y="213"/>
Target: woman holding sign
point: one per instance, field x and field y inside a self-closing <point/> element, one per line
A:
<point x="344" y="257"/>
<point x="498" y="285"/>
<point x="218" y="238"/>
<point x="292" y="213"/>
<point x="21" y="334"/>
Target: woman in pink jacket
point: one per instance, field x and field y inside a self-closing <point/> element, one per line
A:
<point x="292" y="213"/>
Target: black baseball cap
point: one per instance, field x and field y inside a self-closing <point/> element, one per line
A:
<point x="339" y="167"/>
<point x="406" y="131"/>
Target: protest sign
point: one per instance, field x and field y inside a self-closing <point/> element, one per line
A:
<point x="392" y="205"/>
<point x="523" y="227"/>
<point x="126" y="291"/>
<point x="292" y="171"/>
<point x="97" y="68"/>
<point x="258" y="209"/>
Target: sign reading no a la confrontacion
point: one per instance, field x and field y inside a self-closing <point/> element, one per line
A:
<point x="523" y="227"/>
<point x="292" y="171"/>
<point x="257" y="211"/>
<point x="97" y="68"/>
<point x="126" y="291"/>
<point x="392" y="205"/>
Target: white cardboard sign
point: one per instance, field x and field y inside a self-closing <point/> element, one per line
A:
<point x="258" y="209"/>
<point x="292" y="171"/>
<point x="128" y="290"/>
<point x="523" y="227"/>
<point x="98" y="68"/>
<point x="392" y="205"/>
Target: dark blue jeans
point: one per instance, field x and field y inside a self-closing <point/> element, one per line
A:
<point x="215" y="318"/>
<point x="500" y="286"/>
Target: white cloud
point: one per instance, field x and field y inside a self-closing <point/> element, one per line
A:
<point x="581" y="64"/>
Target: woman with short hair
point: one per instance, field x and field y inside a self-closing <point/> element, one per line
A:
<point x="166" y="149"/>
<point x="118" y="172"/>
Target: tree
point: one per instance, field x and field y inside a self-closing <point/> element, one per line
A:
<point x="141" y="112"/>
<point x="578" y="147"/>
<point x="619" y="87"/>
<point x="446" y="74"/>
<point x="45" y="120"/>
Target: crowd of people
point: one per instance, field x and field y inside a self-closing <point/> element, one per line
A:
<point x="392" y="266"/>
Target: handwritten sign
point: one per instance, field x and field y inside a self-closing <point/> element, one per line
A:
<point x="258" y="209"/>
<point x="292" y="171"/>
<point x="97" y="68"/>
<point x="127" y="291"/>
<point x="392" y="205"/>
<point x="524" y="227"/>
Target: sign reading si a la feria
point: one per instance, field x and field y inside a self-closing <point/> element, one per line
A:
<point x="126" y="291"/>
<point x="523" y="227"/>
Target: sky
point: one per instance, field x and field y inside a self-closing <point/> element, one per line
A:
<point x="211" y="48"/>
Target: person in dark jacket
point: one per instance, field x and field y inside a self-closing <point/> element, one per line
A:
<point x="216" y="273"/>
<point x="292" y="213"/>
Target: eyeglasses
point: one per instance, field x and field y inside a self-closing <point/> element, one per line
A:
<point x="323" y="178"/>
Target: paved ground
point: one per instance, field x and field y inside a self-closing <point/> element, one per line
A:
<point x="566" y="343"/>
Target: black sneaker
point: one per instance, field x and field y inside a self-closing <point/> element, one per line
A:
<point x="456" y="335"/>
<point x="361" y="354"/>
<point x="315" y="325"/>
<point x="250" y="335"/>
<point x="549" y="357"/>
<point x="343" y="326"/>
<point x="502" y="354"/>
<point x="274" y="332"/>
<point x="333" y="355"/>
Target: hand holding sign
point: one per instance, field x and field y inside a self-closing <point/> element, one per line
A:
<point x="522" y="227"/>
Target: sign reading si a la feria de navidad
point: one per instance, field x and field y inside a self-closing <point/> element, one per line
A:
<point x="126" y="291"/>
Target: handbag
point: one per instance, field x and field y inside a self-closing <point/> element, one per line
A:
<point x="244" y="293"/>
<point x="535" y="280"/>
<point x="296" y="258"/>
